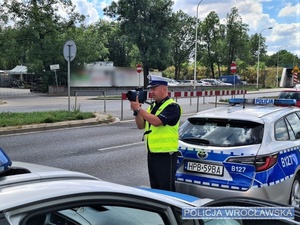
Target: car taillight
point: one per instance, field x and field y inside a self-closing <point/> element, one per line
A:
<point x="261" y="163"/>
<point x="265" y="162"/>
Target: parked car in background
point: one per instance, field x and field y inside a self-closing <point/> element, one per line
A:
<point x="242" y="150"/>
<point x="211" y="81"/>
<point x="187" y="83"/>
<point x="172" y="82"/>
<point x="290" y="94"/>
<point x="221" y="83"/>
<point x="191" y="83"/>
<point x="204" y="83"/>
<point x="215" y="82"/>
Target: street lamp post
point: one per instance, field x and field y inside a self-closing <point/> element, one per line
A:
<point x="277" y="70"/>
<point x="196" y="40"/>
<point x="258" y="52"/>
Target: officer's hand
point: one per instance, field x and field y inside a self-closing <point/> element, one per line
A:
<point x="135" y="105"/>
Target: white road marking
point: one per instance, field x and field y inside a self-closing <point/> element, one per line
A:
<point x="118" y="146"/>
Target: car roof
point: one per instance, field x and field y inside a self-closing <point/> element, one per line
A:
<point x="48" y="183"/>
<point x="29" y="172"/>
<point x="255" y="113"/>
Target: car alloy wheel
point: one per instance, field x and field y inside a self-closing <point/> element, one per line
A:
<point x="295" y="192"/>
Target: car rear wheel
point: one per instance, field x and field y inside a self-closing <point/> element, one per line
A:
<point x="295" y="192"/>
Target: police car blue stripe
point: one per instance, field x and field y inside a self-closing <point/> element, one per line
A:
<point x="259" y="184"/>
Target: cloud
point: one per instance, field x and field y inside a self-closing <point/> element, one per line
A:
<point x="250" y="11"/>
<point x="89" y="9"/>
<point x="92" y="9"/>
<point x="290" y="10"/>
<point x="258" y="15"/>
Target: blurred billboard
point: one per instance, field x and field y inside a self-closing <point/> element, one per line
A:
<point x="104" y="74"/>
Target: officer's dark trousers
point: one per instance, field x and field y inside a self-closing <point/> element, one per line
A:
<point x="162" y="169"/>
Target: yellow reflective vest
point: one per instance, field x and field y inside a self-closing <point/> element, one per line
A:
<point x="162" y="139"/>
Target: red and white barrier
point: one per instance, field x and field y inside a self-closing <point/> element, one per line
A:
<point x="189" y="94"/>
<point x="295" y="78"/>
<point x="185" y="94"/>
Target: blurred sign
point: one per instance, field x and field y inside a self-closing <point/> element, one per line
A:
<point x="54" y="67"/>
<point x="105" y="76"/>
<point x="103" y="63"/>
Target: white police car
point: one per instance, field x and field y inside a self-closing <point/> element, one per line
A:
<point x="33" y="194"/>
<point x="242" y="150"/>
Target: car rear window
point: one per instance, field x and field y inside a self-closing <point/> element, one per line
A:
<point x="221" y="132"/>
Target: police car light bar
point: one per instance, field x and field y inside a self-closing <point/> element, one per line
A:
<point x="5" y="162"/>
<point x="263" y="101"/>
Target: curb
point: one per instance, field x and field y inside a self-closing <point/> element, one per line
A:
<point x="98" y="120"/>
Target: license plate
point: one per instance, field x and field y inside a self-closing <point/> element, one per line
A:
<point x="204" y="168"/>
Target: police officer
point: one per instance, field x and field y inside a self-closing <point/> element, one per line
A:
<point x="160" y="123"/>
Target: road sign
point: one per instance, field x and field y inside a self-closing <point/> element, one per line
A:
<point x="233" y="68"/>
<point x="295" y="69"/>
<point x="69" y="50"/>
<point x="69" y="54"/>
<point x="138" y="68"/>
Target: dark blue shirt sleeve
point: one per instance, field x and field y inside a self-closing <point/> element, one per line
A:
<point x="170" y="115"/>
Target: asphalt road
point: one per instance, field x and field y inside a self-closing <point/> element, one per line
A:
<point x="113" y="152"/>
<point x="118" y="108"/>
<point x="20" y="100"/>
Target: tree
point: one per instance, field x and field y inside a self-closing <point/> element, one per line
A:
<point x="147" y="24"/>
<point x="282" y="58"/>
<point x="236" y="37"/>
<point x="92" y="42"/>
<point x="39" y="27"/>
<point x="11" y="52"/>
<point x="182" y="40"/>
<point x="211" y="37"/>
<point x="121" y="49"/>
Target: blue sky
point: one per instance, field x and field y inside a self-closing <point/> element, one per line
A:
<point x="282" y="15"/>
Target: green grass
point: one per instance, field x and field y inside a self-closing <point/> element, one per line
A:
<point x="26" y="118"/>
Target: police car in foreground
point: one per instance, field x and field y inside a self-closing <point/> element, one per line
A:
<point x="33" y="194"/>
<point x="242" y="150"/>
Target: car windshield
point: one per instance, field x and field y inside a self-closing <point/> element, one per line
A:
<point x="221" y="132"/>
<point x="289" y="95"/>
